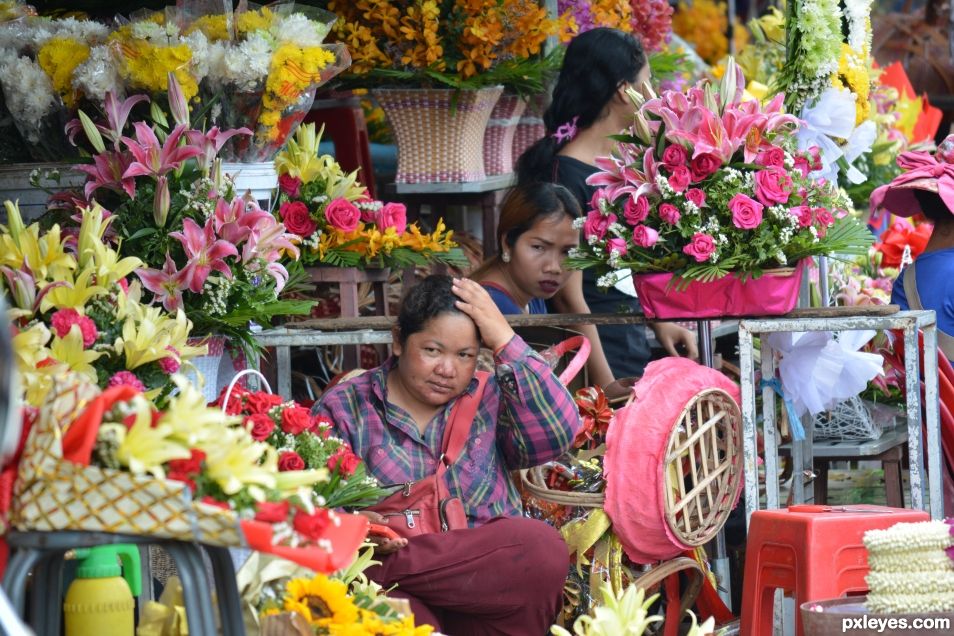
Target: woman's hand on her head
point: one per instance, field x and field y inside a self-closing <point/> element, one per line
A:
<point x="477" y="303"/>
<point x="670" y="336"/>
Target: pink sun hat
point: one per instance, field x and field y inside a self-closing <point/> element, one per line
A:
<point x="635" y="460"/>
<point x="923" y="171"/>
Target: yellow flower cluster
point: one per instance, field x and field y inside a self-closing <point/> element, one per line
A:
<point x="703" y="23"/>
<point x="58" y="58"/>
<point x="324" y="602"/>
<point x="146" y="66"/>
<point x="473" y="34"/>
<point x="854" y="74"/>
<point x="293" y="70"/>
<point x="370" y="243"/>
<point x="221" y="27"/>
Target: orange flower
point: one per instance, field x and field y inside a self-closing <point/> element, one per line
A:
<point x="898" y="237"/>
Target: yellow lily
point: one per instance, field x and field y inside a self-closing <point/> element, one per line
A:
<point x="178" y="330"/>
<point x="190" y="420"/>
<point x="145" y="448"/>
<point x="97" y="255"/>
<point x="29" y="349"/>
<point x="291" y="481"/>
<point x="69" y="350"/>
<point x="44" y="255"/>
<point x="142" y="341"/>
<point x="74" y="295"/>
<point x="300" y="156"/>
<point x="234" y="461"/>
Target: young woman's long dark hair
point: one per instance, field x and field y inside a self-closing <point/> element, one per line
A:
<point x="595" y="64"/>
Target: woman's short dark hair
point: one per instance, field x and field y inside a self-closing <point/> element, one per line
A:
<point x="529" y="202"/>
<point x="933" y="207"/>
<point x="595" y="64"/>
<point x="428" y="299"/>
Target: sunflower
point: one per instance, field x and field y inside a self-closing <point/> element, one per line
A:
<point x="322" y="601"/>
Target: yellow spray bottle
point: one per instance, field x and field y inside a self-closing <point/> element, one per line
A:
<point x="100" y="602"/>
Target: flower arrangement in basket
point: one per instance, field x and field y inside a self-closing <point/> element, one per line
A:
<point x="204" y="247"/>
<point x="446" y="44"/>
<point x="72" y="309"/>
<point x="112" y="461"/>
<point x="304" y="442"/>
<point x="704" y="185"/>
<point x="339" y="224"/>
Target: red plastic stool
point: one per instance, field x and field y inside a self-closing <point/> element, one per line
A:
<point x="816" y="555"/>
<point x="344" y="123"/>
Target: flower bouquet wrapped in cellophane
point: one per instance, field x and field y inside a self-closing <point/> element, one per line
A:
<point x="340" y="225"/>
<point x="264" y="67"/>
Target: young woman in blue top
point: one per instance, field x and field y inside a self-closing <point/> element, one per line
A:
<point x="535" y="235"/>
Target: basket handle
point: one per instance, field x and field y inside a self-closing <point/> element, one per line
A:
<point x="582" y="345"/>
<point x="238" y="376"/>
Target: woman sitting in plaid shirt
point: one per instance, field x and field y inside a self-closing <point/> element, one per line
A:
<point x="504" y="574"/>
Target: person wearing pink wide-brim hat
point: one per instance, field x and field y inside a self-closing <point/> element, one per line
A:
<point x="926" y="186"/>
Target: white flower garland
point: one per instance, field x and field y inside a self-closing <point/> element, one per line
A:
<point x="859" y="29"/>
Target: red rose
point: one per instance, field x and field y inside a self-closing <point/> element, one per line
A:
<point x="674" y="155"/>
<point x="290" y="460"/>
<point x="704" y="165"/>
<point x="260" y="426"/>
<point x="272" y="512"/>
<point x="344" y="461"/>
<point x="296" y="420"/>
<point x="343" y="215"/>
<point x="191" y="466"/>
<point x="297" y="219"/>
<point x="290" y="185"/>
<point x="312" y="526"/>
<point x="235" y="403"/>
<point x="679" y="179"/>
<point x="696" y="196"/>
<point x="636" y="210"/>
<point x="261" y="402"/>
<point x="184" y="479"/>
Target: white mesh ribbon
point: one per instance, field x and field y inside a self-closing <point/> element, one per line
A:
<point x="818" y="371"/>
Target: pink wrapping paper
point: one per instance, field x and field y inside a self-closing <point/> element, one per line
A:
<point x="636" y="451"/>
<point x="773" y="294"/>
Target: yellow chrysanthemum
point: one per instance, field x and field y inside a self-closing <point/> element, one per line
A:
<point x="854" y="75"/>
<point x="215" y="27"/>
<point x="249" y="21"/>
<point x="58" y="58"/>
<point x="293" y="70"/>
<point x="147" y="66"/>
<point x="326" y="601"/>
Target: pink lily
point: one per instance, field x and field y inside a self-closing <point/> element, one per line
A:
<point x="178" y="104"/>
<point x="267" y="240"/>
<point x="710" y="136"/>
<point x="235" y="221"/>
<point x="109" y="171"/>
<point x="167" y="284"/>
<point x="153" y="159"/>
<point x="204" y="251"/>
<point x="211" y="142"/>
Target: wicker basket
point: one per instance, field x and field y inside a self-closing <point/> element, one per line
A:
<point x="439" y="132"/>
<point x="498" y="138"/>
<point x="531" y="127"/>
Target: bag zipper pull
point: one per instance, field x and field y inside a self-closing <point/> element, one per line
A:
<point x="409" y="517"/>
<point x="406" y="491"/>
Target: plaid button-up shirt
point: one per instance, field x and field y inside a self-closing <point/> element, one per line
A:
<point x="541" y="422"/>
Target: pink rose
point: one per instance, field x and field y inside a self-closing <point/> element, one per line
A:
<point x="746" y="212"/>
<point x="636" y="210"/>
<point x="701" y="247"/>
<point x="802" y="165"/>
<point x="598" y="195"/>
<point x="774" y="157"/>
<point x="297" y="219"/>
<point x="679" y="179"/>
<point x="392" y="215"/>
<point x="824" y="219"/>
<point x="616" y="244"/>
<point x="645" y="236"/>
<point x="290" y="185"/>
<point x="343" y="215"/>
<point x="696" y="196"/>
<point x="815" y="154"/>
<point x="127" y="378"/>
<point x="674" y="155"/>
<point x="703" y="166"/>
<point x="669" y="213"/>
<point x="772" y="185"/>
<point x="597" y="223"/>
<point x="803" y="213"/>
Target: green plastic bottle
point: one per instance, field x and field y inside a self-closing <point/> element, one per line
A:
<point x="100" y="602"/>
